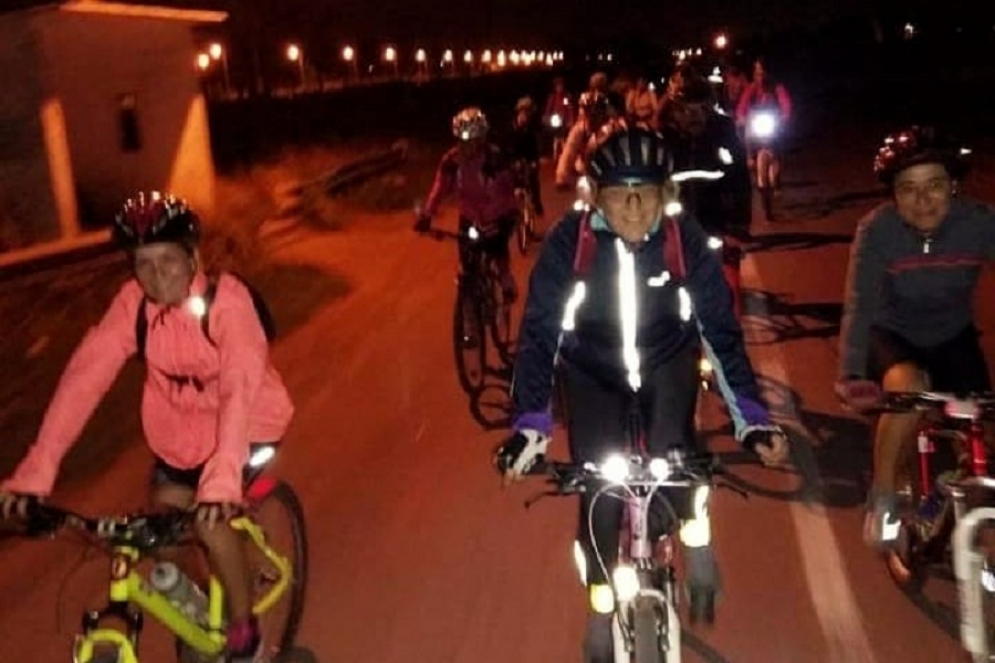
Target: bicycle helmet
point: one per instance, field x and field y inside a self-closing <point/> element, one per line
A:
<point x="915" y="146"/>
<point x="629" y="155"/>
<point x="525" y="104"/>
<point x="470" y="123"/>
<point x="153" y="217"/>
<point x="594" y="103"/>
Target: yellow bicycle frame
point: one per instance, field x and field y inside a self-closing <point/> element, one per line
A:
<point x="127" y="586"/>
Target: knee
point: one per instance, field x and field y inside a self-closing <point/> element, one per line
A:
<point x="905" y="376"/>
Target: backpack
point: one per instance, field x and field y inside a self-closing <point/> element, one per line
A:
<point x="673" y="250"/>
<point x="262" y="311"/>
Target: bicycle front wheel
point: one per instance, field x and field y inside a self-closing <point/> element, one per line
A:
<point x="646" y="634"/>
<point x="469" y="340"/>
<point x="281" y="516"/>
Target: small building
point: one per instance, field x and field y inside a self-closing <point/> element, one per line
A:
<point x="99" y="99"/>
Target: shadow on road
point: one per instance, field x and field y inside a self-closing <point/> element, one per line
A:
<point x="831" y="455"/>
<point x="771" y="318"/>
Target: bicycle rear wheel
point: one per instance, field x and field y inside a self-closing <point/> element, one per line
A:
<point x="469" y="340"/>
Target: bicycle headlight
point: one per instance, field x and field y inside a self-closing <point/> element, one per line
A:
<point x="473" y="233"/>
<point x="626" y="582"/>
<point x="555" y="121"/>
<point x="714" y="243"/>
<point x="615" y="468"/>
<point x="763" y="125"/>
<point x="660" y="469"/>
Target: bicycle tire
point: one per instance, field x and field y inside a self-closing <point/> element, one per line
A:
<point x="284" y="494"/>
<point x="646" y="633"/>
<point x="499" y="321"/>
<point x="523" y="229"/>
<point x="468" y="327"/>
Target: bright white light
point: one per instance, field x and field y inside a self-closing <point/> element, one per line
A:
<point x="626" y="582"/>
<point x="293" y="52"/>
<point x="215" y="51"/>
<point x="602" y="599"/>
<point x="555" y="121"/>
<point x="714" y="243"/>
<point x="447" y="56"/>
<point x="485" y="57"/>
<point x="660" y="469"/>
<point x="685" y="303"/>
<point x="763" y="125"/>
<point x="348" y="53"/>
<point x="615" y="468"/>
<point x="725" y="156"/>
<point x="579" y="205"/>
<point x="390" y="54"/>
<point x="701" y="501"/>
<point x="203" y="61"/>
<point x="262" y="455"/>
<point x="472" y="232"/>
<point x="197" y="306"/>
<point x="673" y="208"/>
<point x="721" y="41"/>
<point x="705" y="366"/>
<point x="988" y="580"/>
<point x="468" y="57"/>
<point x="685" y="175"/>
<point x="420" y="55"/>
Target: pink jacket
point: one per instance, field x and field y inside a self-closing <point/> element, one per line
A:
<point x="201" y="404"/>
<point x="485" y="186"/>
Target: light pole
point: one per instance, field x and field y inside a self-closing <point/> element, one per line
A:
<point x="295" y="54"/>
<point x="217" y="52"/>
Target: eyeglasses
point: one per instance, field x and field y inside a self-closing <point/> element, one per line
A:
<point x="934" y="188"/>
<point x="618" y="196"/>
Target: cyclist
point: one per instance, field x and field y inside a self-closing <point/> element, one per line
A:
<point x="709" y="154"/>
<point x="524" y="147"/>
<point x="908" y="321"/>
<point x="482" y="177"/>
<point x="647" y="350"/>
<point x="763" y="93"/>
<point x="595" y="112"/>
<point x="204" y="399"/>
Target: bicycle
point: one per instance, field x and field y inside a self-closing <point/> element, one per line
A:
<point x="932" y="502"/>
<point x="646" y="626"/>
<point x="481" y="308"/>
<point x="762" y="133"/>
<point x="525" y="230"/>
<point x="198" y="623"/>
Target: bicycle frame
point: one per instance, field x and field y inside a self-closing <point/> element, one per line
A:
<point x="127" y="587"/>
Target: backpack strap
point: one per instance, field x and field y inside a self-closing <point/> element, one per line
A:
<point x="587" y="245"/>
<point x="141" y="327"/>
<point x="673" y="249"/>
<point x="208" y="297"/>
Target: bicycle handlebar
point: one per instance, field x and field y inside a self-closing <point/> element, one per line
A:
<point x="145" y="531"/>
<point x="979" y="405"/>
<point x="676" y="471"/>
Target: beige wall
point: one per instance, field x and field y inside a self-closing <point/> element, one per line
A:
<point x="89" y="62"/>
<point x="28" y="210"/>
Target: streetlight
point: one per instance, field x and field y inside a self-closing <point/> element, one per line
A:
<point x="203" y="61"/>
<point x="447" y="58"/>
<point x="513" y="57"/>
<point x="468" y="57"/>
<point x="502" y="60"/>
<point x="295" y="54"/>
<point x="349" y="57"/>
<point x="390" y="57"/>
<point x="721" y="41"/>
<point x="485" y="57"/>
<point x="217" y="52"/>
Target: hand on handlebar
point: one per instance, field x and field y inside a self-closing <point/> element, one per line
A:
<point x="211" y="513"/>
<point x="770" y="444"/>
<point x="519" y="453"/>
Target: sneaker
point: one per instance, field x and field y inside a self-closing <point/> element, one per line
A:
<point x="244" y="642"/>
<point x="881" y="522"/>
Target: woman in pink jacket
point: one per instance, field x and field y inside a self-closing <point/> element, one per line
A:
<point x="204" y="400"/>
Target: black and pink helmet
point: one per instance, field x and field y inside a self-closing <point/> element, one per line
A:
<point x="154" y="217"/>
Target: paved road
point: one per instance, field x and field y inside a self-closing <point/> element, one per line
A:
<point x="417" y="553"/>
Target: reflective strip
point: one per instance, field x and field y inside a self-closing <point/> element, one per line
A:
<point x="685" y="303"/>
<point x="629" y="310"/>
<point x="570" y="313"/>
<point x="685" y="175"/>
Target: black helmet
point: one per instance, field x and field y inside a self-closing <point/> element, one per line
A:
<point x="629" y="155"/>
<point x="153" y="217"/>
<point x="915" y="146"/>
